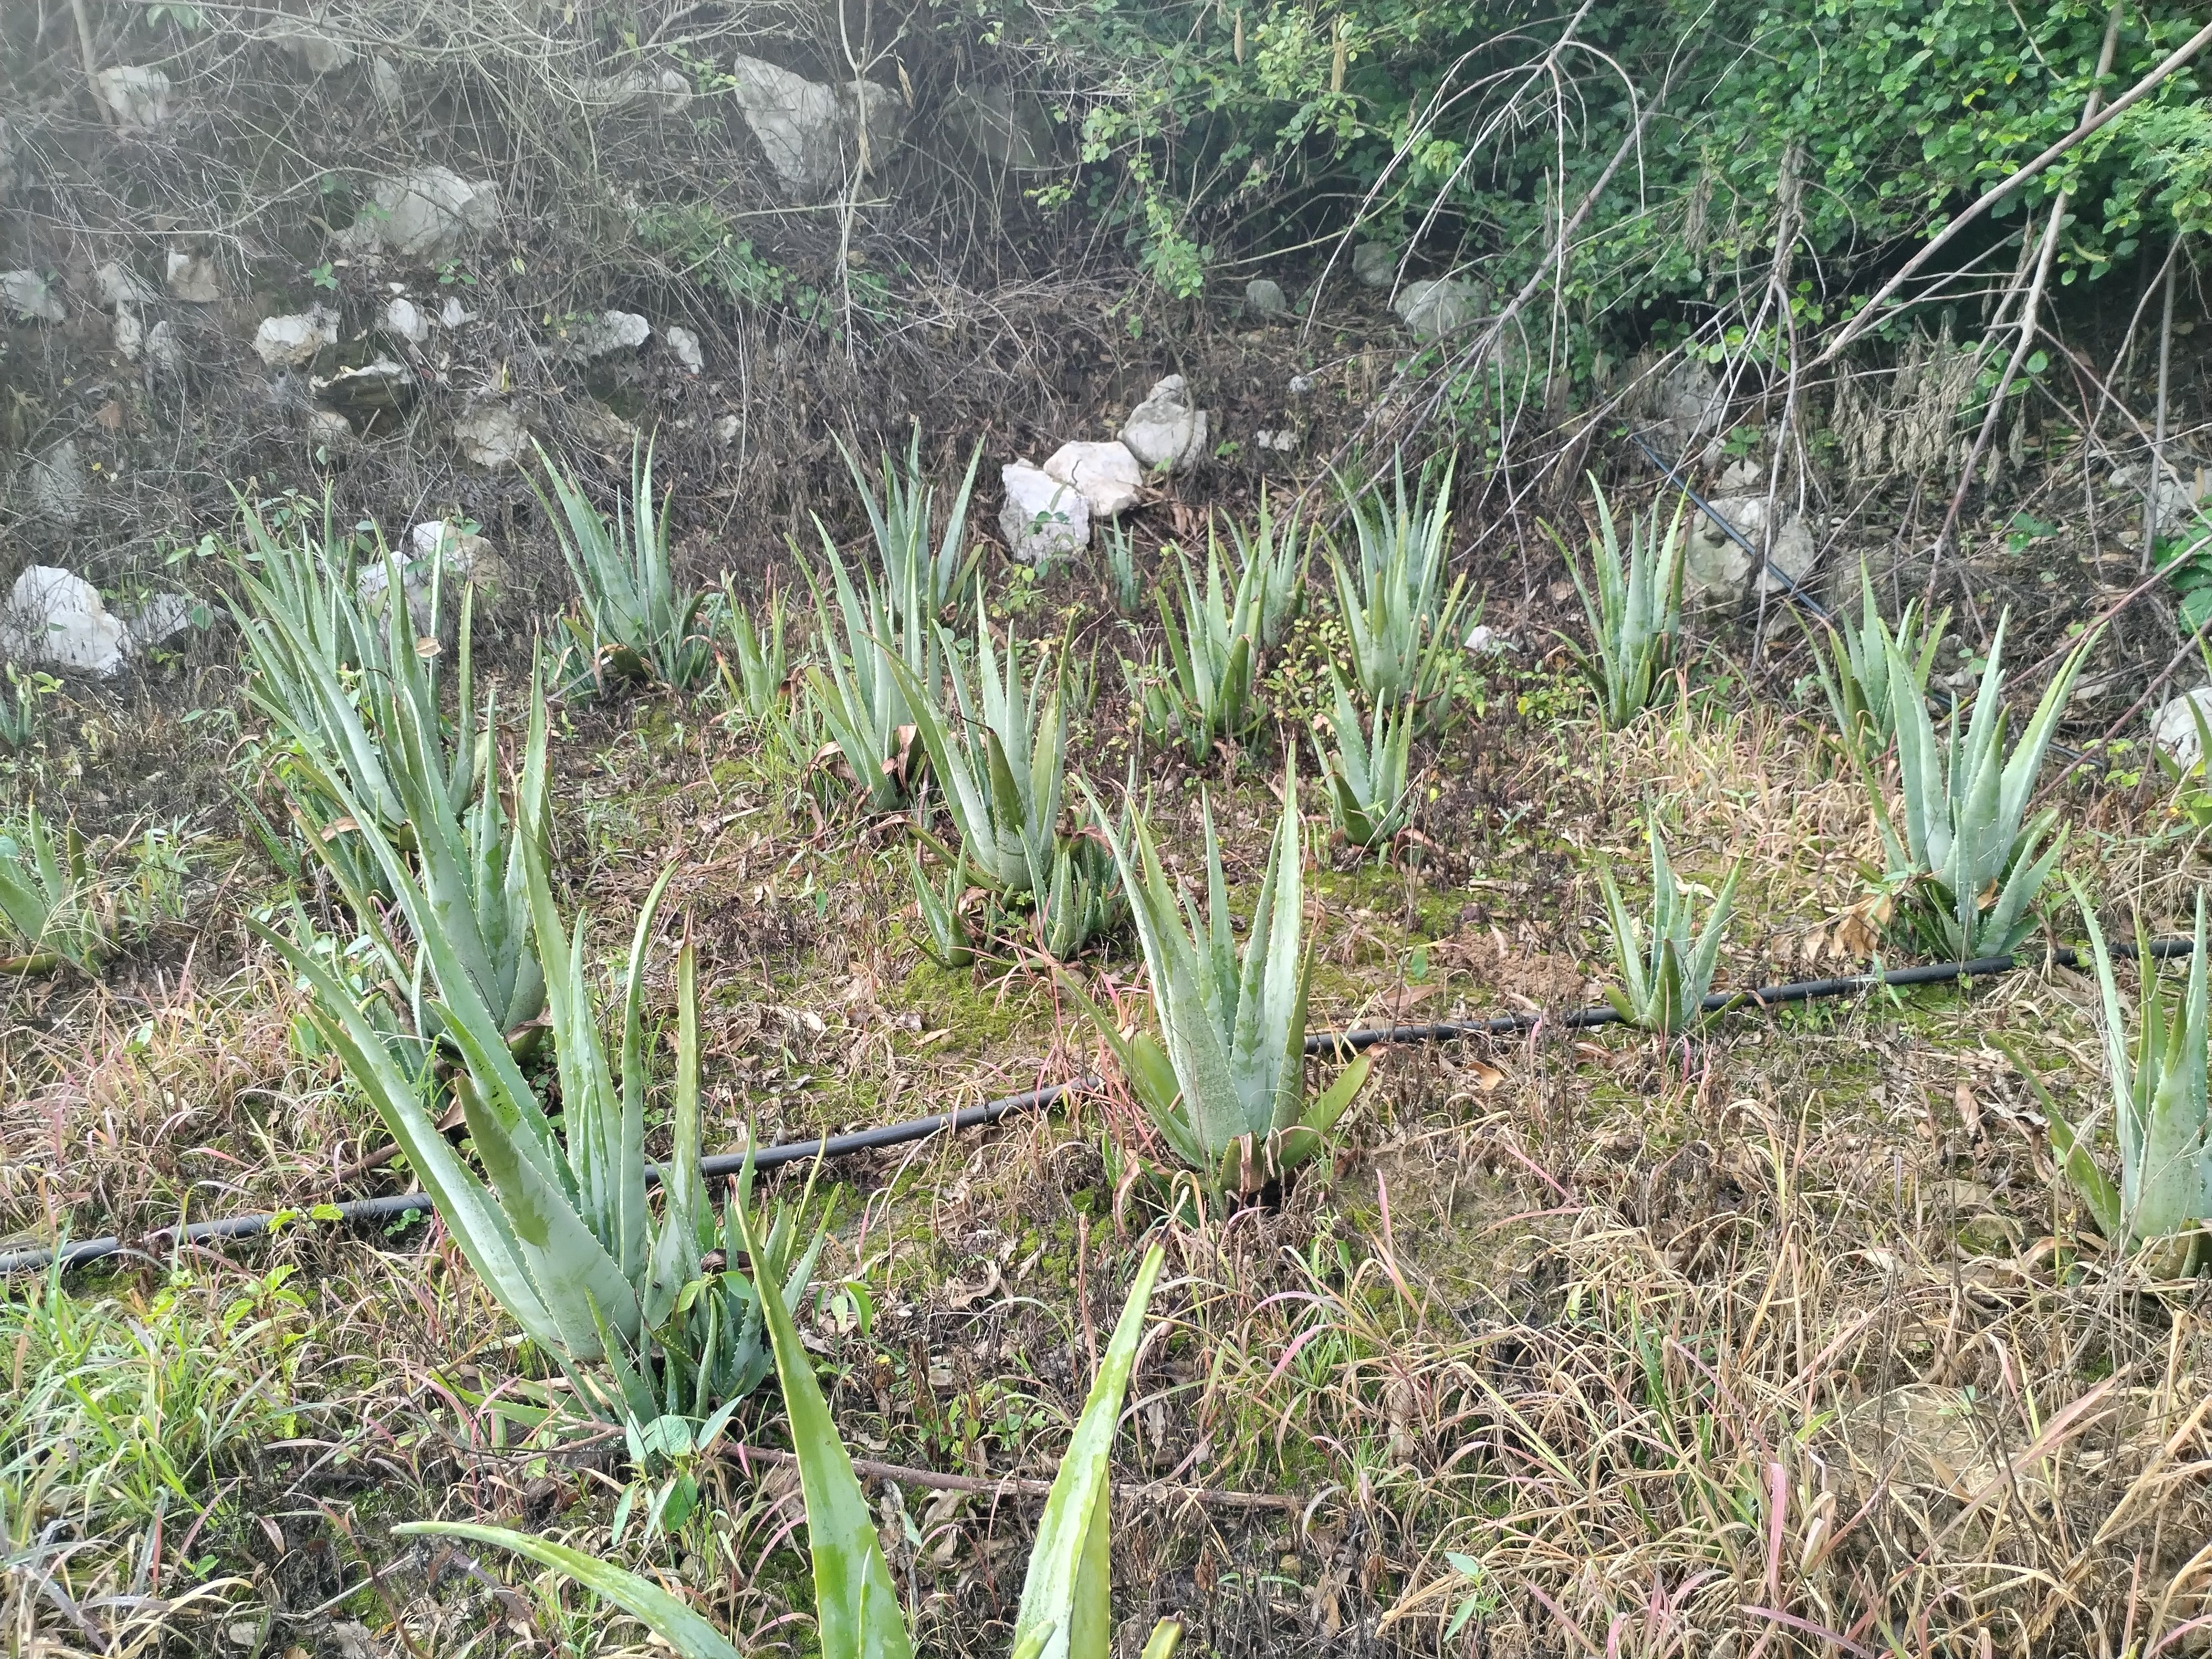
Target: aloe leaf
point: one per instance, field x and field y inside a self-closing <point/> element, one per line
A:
<point x="686" y="1633"/>
<point x="1067" y="1591"/>
<point x="856" y="1608"/>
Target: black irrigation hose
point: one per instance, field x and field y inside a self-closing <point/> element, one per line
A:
<point x="86" y="1251"/>
<point x="1790" y="585"/>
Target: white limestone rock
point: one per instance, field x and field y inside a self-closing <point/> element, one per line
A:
<point x="2173" y="728"/>
<point x="27" y="295"/>
<point x="605" y="333"/>
<point x="193" y="277"/>
<point x="492" y="435"/>
<point x="429" y="214"/>
<point x="1107" y="476"/>
<point x="291" y="342"/>
<point x="58" y="619"/>
<point x="1164" y="432"/>
<point x="812" y="134"/>
<point x="684" y="346"/>
<point x="136" y="95"/>
<point x="1043" y="520"/>
<point x="404" y="320"/>
<point x="1437" y="307"/>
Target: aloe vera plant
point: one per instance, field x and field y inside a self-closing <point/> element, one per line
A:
<point x="48" y="897"/>
<point x="1666" y="972"/>
<point x="1276" y="554"/>
<point x="1065" y="1610"/>
<point x="1364" y="775"/>
<point x="1400" y="619"/>
<point x="756" y="667"/>
<point x="1084" y="900"/>
<point x="637" y="624"/>
<point x="1966" y="865"/>
<point x="1000" y="759"/>
<point x="1226" y="1081"/>
<point x="926" y="584"/>
<point x="1204" y="692"/>
<point x="1633" y="602"/>
<point x="559" y="1228"/>
<point x="944" y="930"/>
<point x="1854" y="672"/>
<point x="2158" y="1085"/>
<point x="358" y="700"/>
<point x="860" y="692"/>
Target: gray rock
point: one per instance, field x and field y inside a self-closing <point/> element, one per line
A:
<point x="1281" y="441"/>
<point x="27" y="293"/>
<point x="326" y="426"/>
<point x="726" y="427"/>
<point x="492" y="435"/>
<point x="437" y="554"/>
<point x="607" y="332"/>
<point x="1374" y="265"/>
<point x="1043" y="520"/>
<point x="429" y="214"/>
<point x="1264" y="297"/>
<point x="291" y="342"/>
<point x="137" y="96"/>
<point x="1434" y="308"/>
<point x="56" y="483"/>
<point x="667" y="90"/>
<point x="159" y="620"/>
<point x="129" y="333"/>
<point x="1006" y="128"/>
<point x="315" y="49"/>
<point x="1107" y="476"/>
<point x="56" y="618"/>
<point x="1716" y="571"/>
<point x="1690" y="404"/>
<point x="1484" y="641"/>
<point x="383" y="77"/>
<point x="453" y="314"/>
<point x="1794" y="553"/>
<point x="1741" y="478"/>
<point x="404" y="320"/>
<point x="1164" y="432"/>
<point x="811" y="133"/>
<point x="193" y="278"/>
<point x="1301" y="385"/>
<point x="684" y="346"/>
<point x="119" y="286"/>
<point x="163" y="356"/>
<point x="2173" y="728"/>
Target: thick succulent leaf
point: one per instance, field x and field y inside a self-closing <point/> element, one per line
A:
<point x="687" y="1634"/>
<point x="856" y="1606"/>
<point x="471" y="1214"/>
<point x="579" y="1284"/>
<point x="1067" y="1591"/>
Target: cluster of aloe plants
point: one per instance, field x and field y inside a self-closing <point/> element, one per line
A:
<point x="1966" y="862"/>
<point x="50" y="898"/>
<point x="1202" y="693"/>
<point x="1666" y="971"/>
<point x="1400" y="620"/>
<point x="1225" y="1083"/>
<point x="1632" y="601"/>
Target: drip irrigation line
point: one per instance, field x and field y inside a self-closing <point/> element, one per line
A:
<point x="1336" y="1044"/>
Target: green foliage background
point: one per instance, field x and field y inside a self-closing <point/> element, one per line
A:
<point x="1218" y="127"/>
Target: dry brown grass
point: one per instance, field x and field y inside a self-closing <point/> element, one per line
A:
<point x="1777" y="1342"/>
